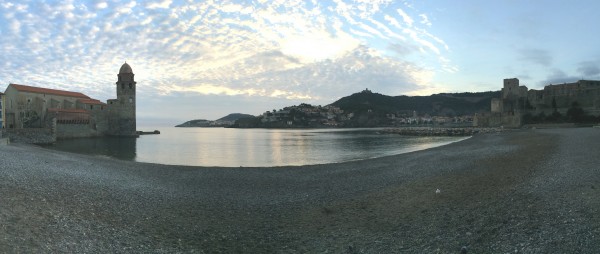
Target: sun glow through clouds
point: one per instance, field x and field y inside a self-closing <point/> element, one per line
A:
<point x="288" y="52"/>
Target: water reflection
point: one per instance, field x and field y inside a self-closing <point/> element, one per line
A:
<point x="252" y="147"/>
<point x="123" y="148"/>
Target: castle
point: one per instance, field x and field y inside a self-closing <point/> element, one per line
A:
<point x="67" y="114"/>
<point x="517" y="101"/>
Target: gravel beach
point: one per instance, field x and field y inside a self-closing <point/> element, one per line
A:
<point x="521" y="191"/>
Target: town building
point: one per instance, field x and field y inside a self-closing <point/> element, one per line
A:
<point x="71" y="114"/>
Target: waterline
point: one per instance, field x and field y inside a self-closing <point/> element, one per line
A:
<point x="253" y="147"/>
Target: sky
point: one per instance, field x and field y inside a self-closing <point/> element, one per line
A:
<point x="197" y="59"/>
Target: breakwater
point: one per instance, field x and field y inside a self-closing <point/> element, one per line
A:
<point x="428" y="131"/>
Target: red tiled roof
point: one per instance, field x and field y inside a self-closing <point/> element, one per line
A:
<point x="91" y="101"/>
<point x="70" y="110"/>
<point x="33" y="89"/>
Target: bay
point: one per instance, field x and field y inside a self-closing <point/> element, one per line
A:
<point x="225" y="147"/>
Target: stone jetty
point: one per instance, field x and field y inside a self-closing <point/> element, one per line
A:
<point x="428" y="131"/>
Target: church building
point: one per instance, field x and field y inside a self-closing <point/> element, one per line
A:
<point x="71" y="114"/>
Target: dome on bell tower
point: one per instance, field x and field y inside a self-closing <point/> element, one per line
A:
<point x="125" y="68"/>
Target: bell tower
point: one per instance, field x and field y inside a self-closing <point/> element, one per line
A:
<point x="123" y="110"/>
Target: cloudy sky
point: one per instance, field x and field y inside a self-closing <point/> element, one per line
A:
<point x="204" y="59"/>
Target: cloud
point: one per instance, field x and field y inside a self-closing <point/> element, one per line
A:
<point x="322" y="81"/>
<point x="589" y="69"/>
<point x="535" y="56"/>
<point x="558" y="77"/>
<point x="418" y="36"/>
<point x="101" y="5"/>
<point x="407" y="19"/>
<point x="403" y="49"/>
<point x="360" y="68"/>
<point x="283" y="50"/>
<point x="425" y="20"/>
<point x="163" y="4"/>
<point x="318" y="46"/>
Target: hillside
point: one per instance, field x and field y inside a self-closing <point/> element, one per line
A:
<point x="445" y="104"/>
<point x="225" y="121"/>
<point x="195" y="123"/>
<point x="233" y="117"/>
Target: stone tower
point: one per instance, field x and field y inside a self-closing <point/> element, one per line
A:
<point x="122" y="109"/>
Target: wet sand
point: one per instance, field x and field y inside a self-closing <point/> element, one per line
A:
<point x="526" y="191"/>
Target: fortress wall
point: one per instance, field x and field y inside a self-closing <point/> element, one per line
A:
<point x="121" y="119"/>
<point x="76" y="131"/>
<point x="498" y="120"/>
<point x="100" y="119"/>
<point x="585" y="93"/>
<point x="497" y="105"/>
<point x="30" y="135"/>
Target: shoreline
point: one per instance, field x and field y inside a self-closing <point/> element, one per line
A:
<point x="524" y="190"/>
<point x="441" y="131"/>
<point x="102" y="147"/>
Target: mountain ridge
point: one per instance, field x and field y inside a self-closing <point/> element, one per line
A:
<point x="443" y="104"/>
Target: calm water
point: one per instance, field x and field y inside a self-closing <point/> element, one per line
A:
<point x="252" y="147"/>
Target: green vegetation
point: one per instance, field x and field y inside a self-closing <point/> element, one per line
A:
<point x="195" y="123"/>
<point x="368" y="109"/>
<point x="575" y="114"/>
<point x="445" y="104"/>
<point x="233" y="117"/>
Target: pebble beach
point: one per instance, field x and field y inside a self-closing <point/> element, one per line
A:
<point x="516" y="191"/>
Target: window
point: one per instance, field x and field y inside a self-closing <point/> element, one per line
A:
<point x="130" y="99"/>
<point x="130" y="86"/>
<point x="91" y="106"/>
<point x="122" y="86"/>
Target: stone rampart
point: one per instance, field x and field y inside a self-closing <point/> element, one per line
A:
<point x="30" y="135"/>
<point x="65" y="131"/>
<point x="498" y="120"/>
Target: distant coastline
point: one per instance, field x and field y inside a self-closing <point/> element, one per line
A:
<point x="367" y="109"/>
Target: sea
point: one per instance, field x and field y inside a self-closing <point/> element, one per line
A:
<point x="232" y="147"/>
